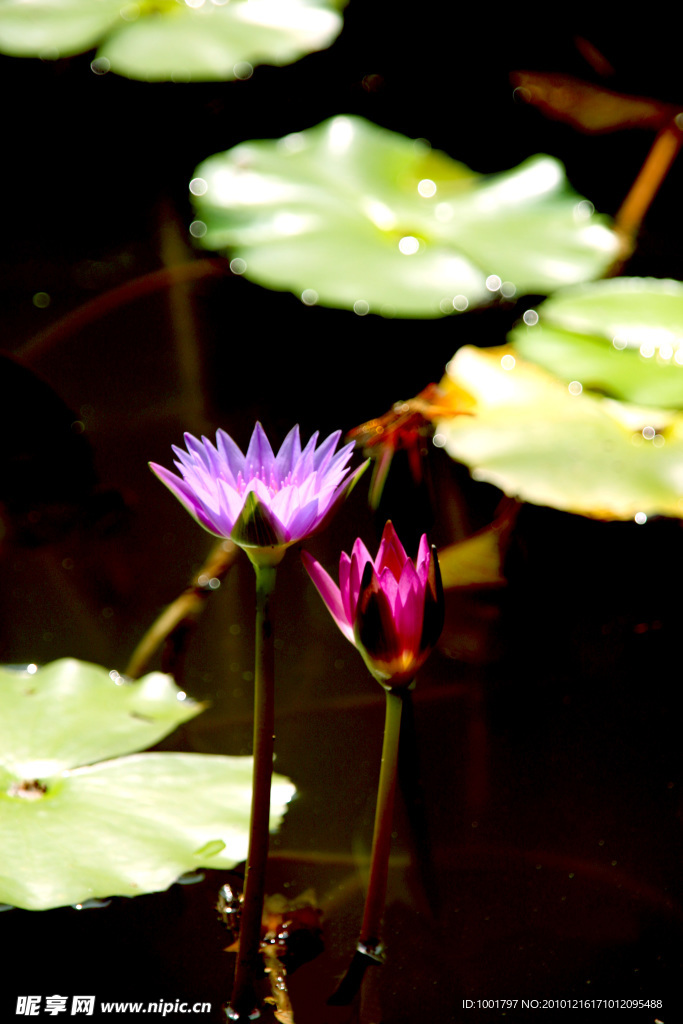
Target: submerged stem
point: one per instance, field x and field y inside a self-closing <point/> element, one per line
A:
<point x="181" y="614"/>
<point x="381" y="840"/>
<point x="243" y="1002"/>
<point x="369" y="949"/>
<point x="121" y="295"/>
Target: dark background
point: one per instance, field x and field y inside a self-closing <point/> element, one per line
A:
<point x="538" y="834"/>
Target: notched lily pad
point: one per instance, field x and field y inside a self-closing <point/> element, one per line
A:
<point x="160" y="40"/>
<point x="117" y="827"/>
<point x="351" y="215"/>
<point x="622" y="337"/>
<point x="543" y="441"/>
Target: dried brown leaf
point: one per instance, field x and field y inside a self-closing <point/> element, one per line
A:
<point x="587" y="107"/>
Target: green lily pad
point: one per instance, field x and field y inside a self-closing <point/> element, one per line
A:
<point x="623" y="337"/>
<point x="637" y="310"/>
<point x="158" y="40"/>
<point x="72" y="713"/>
<point x="55" y="28"/>
<point x="116" y="827"/>
<point x="351" y="215"/>
<point x="548" y="443"/>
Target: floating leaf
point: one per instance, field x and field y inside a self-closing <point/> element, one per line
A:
<point x="634" y="309"/>
<point x="536" y="440"/>
<point x="56" y="28"/>
<point x="100" y="715"/>
<point x="351" y="215"/>
<point x="477" y="561"/>
<point x="623" y="337"/>
<point x="117" y="827"/>
<point x="158" y="40"/>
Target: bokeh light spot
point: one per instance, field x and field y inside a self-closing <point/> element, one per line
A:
<point x="427" y="188"/>
<point x="408" y="245"/>
<point x="100" y="65"/>
<point x="243" y="70"/>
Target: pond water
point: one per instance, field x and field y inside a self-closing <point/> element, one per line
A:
<point x="537" y="824"/>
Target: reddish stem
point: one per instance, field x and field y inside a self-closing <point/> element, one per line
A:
<point x="116" y="297"/>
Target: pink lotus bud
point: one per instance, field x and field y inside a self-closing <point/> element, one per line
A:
<point x="391" y="608"/>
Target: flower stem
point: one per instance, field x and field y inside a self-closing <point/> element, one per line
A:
<point x="244" y="1000"/>
<point x="381" y="840"/>
<point x="369" y="948"/>
<point x="657" y="164"/>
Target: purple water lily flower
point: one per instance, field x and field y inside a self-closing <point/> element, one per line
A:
<point x="261" y="501"/>
<point x="390" y="608"/>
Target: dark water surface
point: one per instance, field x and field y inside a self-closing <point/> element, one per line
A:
<point x="537" y="847"/>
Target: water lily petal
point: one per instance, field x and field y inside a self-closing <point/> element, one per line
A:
<point x="328" y="502"/>
<point x="308" y="489"/>
<point x="348" y="601"/>
<point x="200" y="482"/>
<point x="289" y="452"/>
<point x="330" y="593"/>
<point x="231" y="504"/>
<point x="259" y="458"/>
<point x="304" y="465"/>
<point x="325" y="452"/>
<point x="185" y="496"/>
<point x="230" y="453"/>
<point x="184" y="460"/>
<point x="196" y="449"/>
<point x="408" y="583"/>
<point x="409" y="609"/>
<point x="374" y="627"/>
<point x="393" y="606"/>
<point x="391" y="553"/>
<point x="424" y="558"/>
<point x="305" y="521"/>
<point x="389" y="585"/>
<point x="286" y="502"/>
<point x="216" y="464"/>
<point x="279" y="499"/>
<point x="360" y="556"/>
<point x="339" y="462"/>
